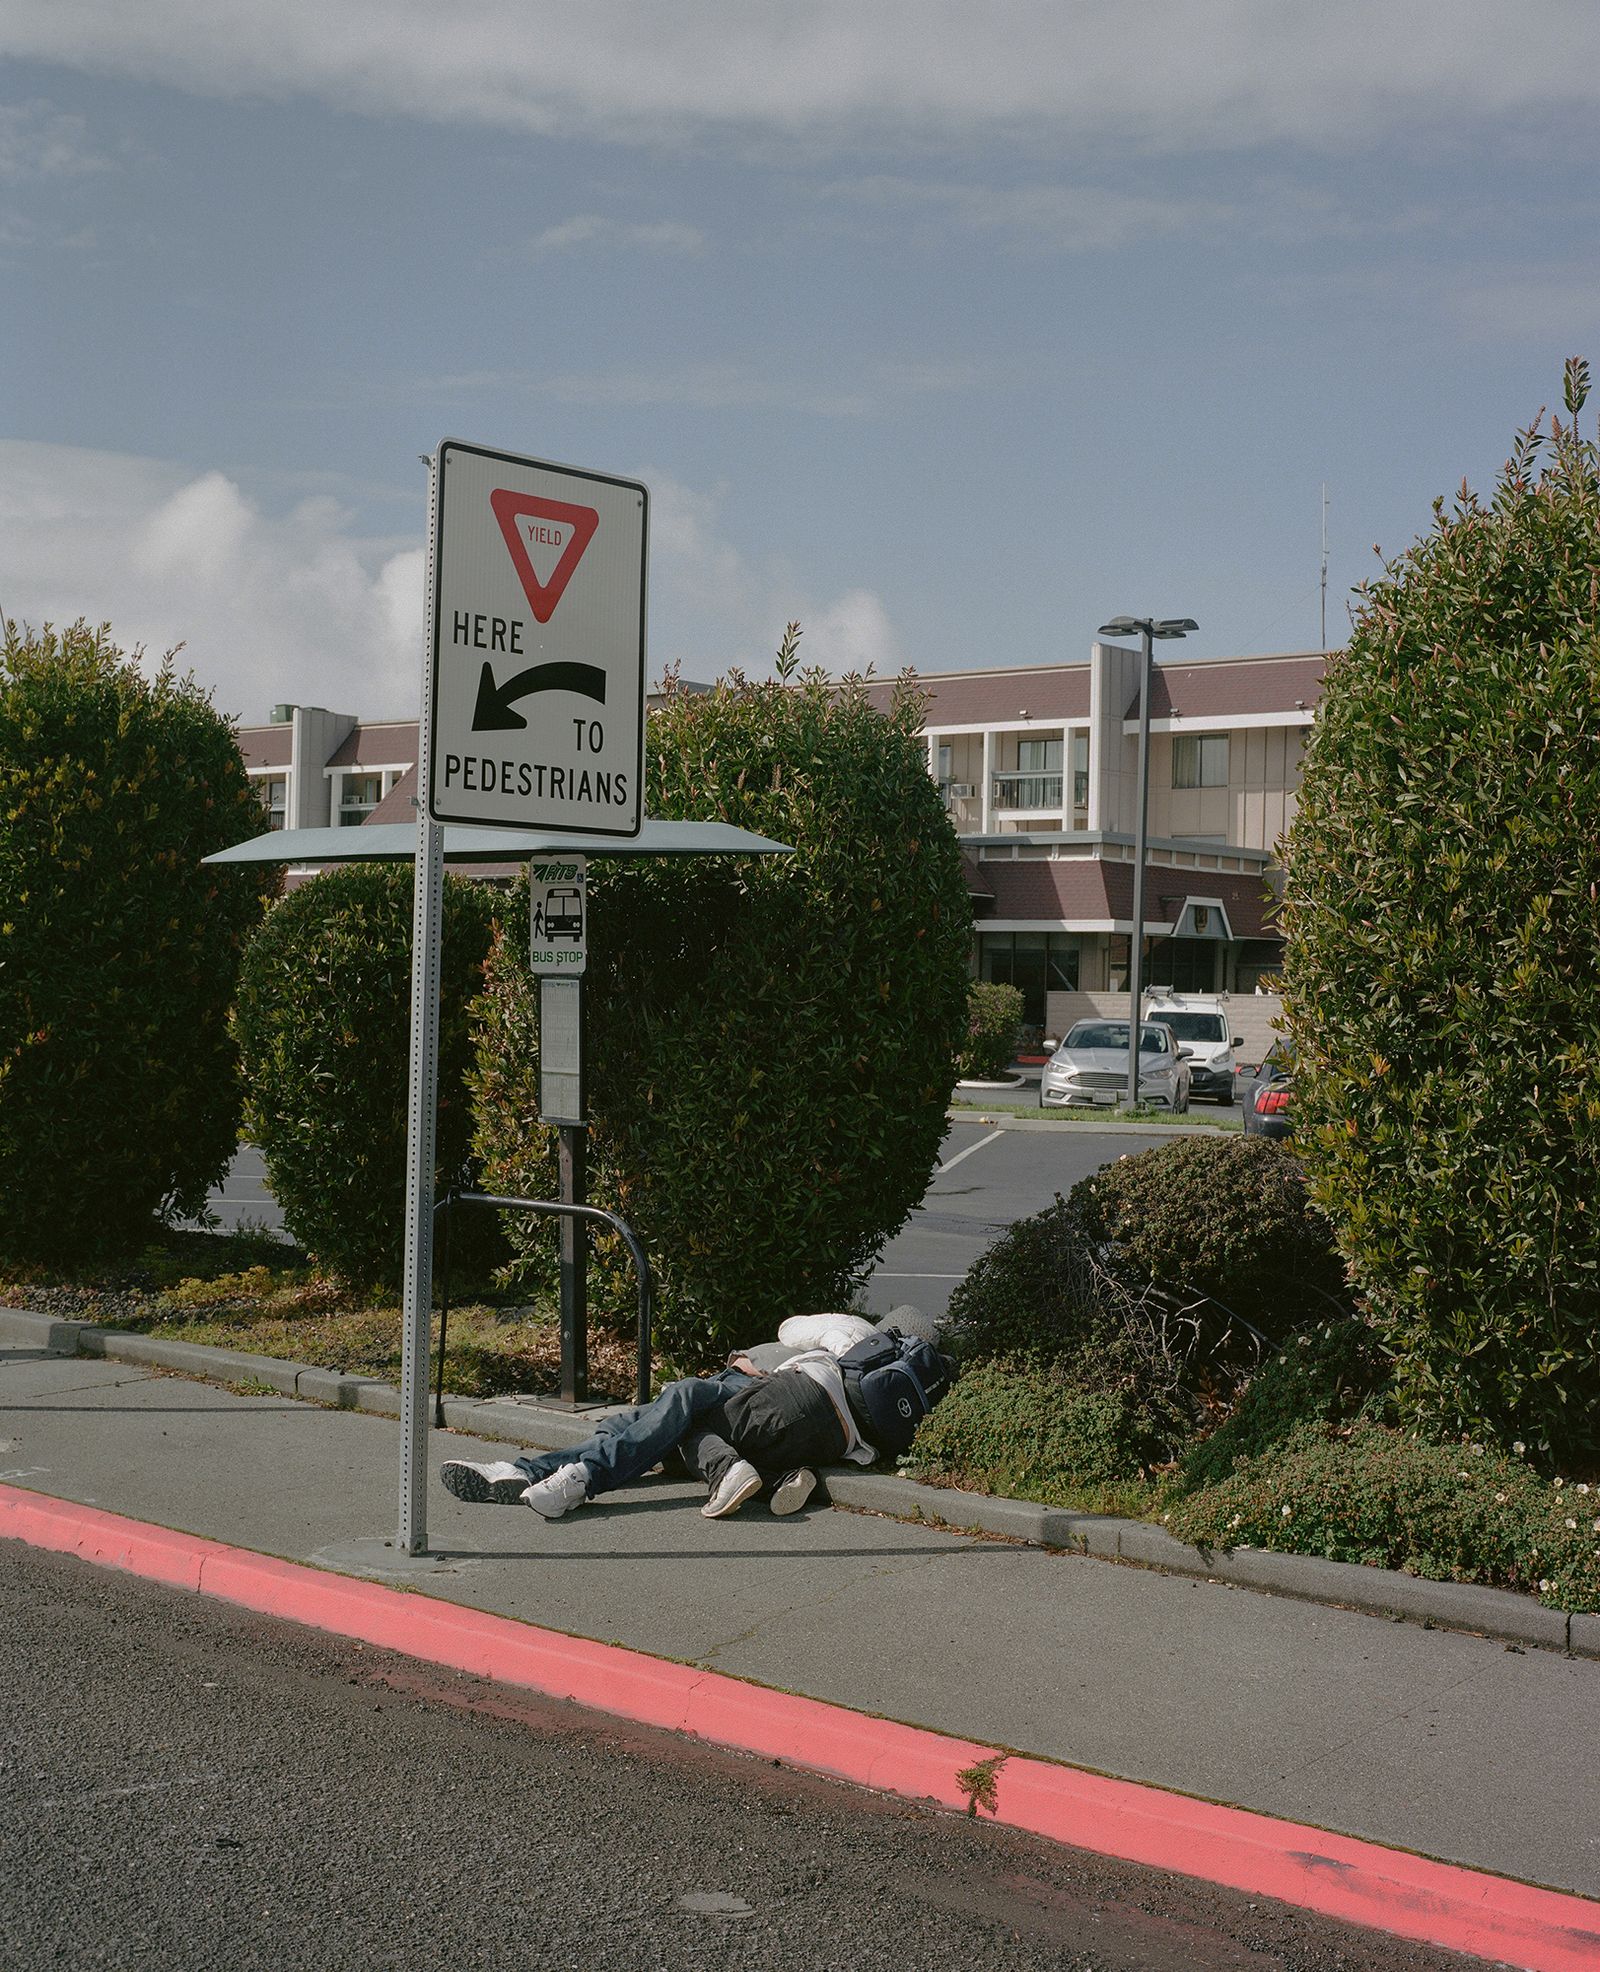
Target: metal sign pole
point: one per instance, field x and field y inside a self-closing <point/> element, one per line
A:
<point x="417" y="1304"/>
<point x="574" y="1163"/>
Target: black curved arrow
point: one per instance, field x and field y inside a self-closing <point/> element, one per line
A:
<point x="495" y="712"/>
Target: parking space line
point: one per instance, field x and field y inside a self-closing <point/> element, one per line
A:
<point x="950" y="1164"/>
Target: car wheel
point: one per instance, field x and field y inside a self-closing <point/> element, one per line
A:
<point x="1225" y="1100"/>
<point x="1183" y="1107"/>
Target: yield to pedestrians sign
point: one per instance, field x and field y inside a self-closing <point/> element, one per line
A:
<point x="537" y="697"/>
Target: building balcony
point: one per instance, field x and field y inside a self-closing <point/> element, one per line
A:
<point x="1028" y="791"/>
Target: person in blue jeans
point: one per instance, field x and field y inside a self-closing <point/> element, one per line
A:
<point x="744" y="1430"/>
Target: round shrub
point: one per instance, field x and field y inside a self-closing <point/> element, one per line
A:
<point x="323" y="1023"/>
<point x="1035" y="1292"/>
<point x="1443" y="948"/>
<point x="1154" y="1254"/>
<point x="994" y="1019"/>
<point x="119" y="1096"/>
<point x="1226" y="1218"/>
<point x="771" y="1040"/>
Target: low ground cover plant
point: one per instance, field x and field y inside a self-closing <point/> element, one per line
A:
<point x="1029" y="1429"/>
<point x="1463" y="1512"/>
<point x="255" y="1293"/>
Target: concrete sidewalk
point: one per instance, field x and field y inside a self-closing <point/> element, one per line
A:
<point x="1445" y="1743"/>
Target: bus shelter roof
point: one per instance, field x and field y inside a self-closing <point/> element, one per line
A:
<point x="396" y="842"/>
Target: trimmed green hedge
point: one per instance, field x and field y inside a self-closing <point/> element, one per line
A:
<point x="1443" y="951"/>
<point x="119" y="1096"/>
<point x="771" y="1041"/>
<point x="323" y="1023"/>
<point x="994" y="1020"/>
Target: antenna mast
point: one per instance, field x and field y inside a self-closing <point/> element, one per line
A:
<point x="1324" y="643"/>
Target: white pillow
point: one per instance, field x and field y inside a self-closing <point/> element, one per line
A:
<point x="835" y="1333"/>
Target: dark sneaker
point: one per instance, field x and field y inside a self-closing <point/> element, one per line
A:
<point x="736" y="1485"/>
<point x="793" y="1490"/>
<point x="499" y="1483"/>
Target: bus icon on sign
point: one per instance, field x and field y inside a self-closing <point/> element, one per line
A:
<point x="563" y="914"/>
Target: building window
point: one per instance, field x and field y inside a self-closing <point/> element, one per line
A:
<point x="359" y="795"/>
<point x="1036" y="962"/>
<point x="1200" y="760"/>
<point x="946" y="765"/>
<point x="273" y="793"/>
<point x="1080" y="772"/>
<point x="1037" y="781"/>
<point x="1187" y="965"/>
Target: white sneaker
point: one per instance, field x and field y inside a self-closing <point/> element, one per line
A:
<point x="561" y="1491"/>
<point x="793" y="1490"/>
<point x="735" y="1486"/>
<point x="499" y="1483"/>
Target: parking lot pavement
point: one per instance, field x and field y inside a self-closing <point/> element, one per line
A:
<point x="243" y="1194"/>
<point x="987" y="1178"/>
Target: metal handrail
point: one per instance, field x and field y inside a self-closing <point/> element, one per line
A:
<point x="552" y="1208"/>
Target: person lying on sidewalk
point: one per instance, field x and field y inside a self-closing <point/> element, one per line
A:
<point x="745" y="1429"/>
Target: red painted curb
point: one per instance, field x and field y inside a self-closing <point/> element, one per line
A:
<point x="1360" y="1882"/>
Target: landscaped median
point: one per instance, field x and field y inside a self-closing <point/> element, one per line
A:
<point x="1448" y="1605"/>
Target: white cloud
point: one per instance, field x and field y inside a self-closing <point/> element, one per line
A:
<point x="39" y="141"/>
<point x="713" y="607"/>
<point x="1072" y="217"/>
<point x="303" y="607"/>
<point x="718" y="386"/>
<point x="1165" y="75"/>
<point x="295" y="607"/>
<point x="594" y="229"/>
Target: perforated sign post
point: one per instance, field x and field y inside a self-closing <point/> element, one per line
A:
<point x="532" y="718"/>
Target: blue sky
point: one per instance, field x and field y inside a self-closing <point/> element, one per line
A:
<point x="949" y="330"/>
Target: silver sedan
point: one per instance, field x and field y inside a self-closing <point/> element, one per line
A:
<point x="1090" y="1068"/>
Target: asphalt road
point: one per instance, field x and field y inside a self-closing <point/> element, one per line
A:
<point x="987" y="1178"/>
<point x="200" y="1789"/>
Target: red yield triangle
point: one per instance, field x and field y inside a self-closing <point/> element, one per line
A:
<point x="509" y="507"/>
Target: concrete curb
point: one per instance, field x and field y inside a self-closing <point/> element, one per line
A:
<point x="1359" y="1882"/>
<point x="1003" y="1119"/>
<point x="1499" y="1613"/>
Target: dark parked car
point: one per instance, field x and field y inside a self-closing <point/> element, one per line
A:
<point x="1268" y="1100"/>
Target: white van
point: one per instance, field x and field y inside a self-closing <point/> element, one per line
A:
<point x="1199" y="1022"/>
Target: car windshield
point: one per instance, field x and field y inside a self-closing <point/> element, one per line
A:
<point x="1114" y="1034"/>
<point x="1196" y="1026"/>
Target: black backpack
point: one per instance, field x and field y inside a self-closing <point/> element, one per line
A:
<point x="893" y="1381"/>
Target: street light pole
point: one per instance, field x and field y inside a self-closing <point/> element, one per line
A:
<point x="1149" y="628"/>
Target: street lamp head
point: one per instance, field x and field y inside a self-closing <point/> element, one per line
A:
<point x="1119" y="626"/>
<point x="1174" y="626"/>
